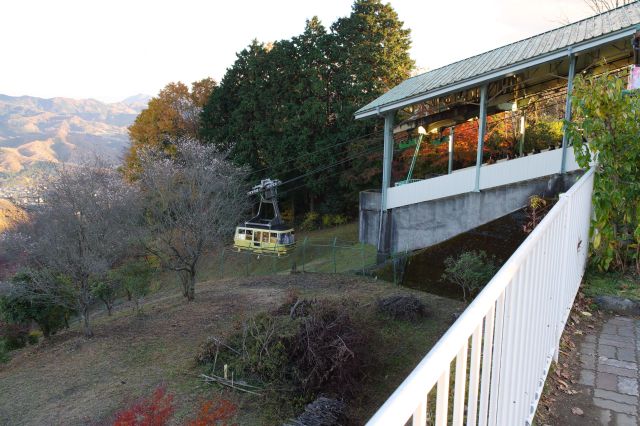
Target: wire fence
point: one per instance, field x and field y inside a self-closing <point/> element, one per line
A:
<point x="320" y="255"/>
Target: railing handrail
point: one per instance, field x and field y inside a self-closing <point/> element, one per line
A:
<point x="403" y="402"/>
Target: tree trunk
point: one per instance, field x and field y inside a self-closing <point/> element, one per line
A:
<point x="137" y="303"/>
<point x="184" y="280"/>
<point x="191" y="288"/>
<point x="85" y="321"/>
<point x="85" y="299"/>
<point x="312" y="204"/>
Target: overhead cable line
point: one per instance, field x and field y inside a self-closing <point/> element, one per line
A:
<point x="372" y="134"/>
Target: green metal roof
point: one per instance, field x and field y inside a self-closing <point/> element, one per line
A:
<point x="546" y="47"/>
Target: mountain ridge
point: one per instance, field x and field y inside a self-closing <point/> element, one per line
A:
<point x="60" y="129"/>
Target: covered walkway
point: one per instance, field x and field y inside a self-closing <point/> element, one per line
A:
<point x="524" y="86"/>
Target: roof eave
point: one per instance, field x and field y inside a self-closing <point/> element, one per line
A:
<point x="496" y="74"/>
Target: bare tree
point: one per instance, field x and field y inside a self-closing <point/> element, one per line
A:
<point x="193" y="200"/>
<point x="83" y="228"/>
<point x="600" y="6"/>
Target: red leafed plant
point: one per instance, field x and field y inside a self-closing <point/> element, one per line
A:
<point x="153" y="411"/>
<point x="218" y="413"/>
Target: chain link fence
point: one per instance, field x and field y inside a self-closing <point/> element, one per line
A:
<point x="322" y="255"/>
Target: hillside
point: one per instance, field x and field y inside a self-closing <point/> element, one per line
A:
<point x="9" y="214"/>
<point x="87" y="381"/>
<point x="35" y="130"/>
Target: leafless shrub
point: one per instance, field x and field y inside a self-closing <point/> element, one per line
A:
<point x="295" y="307"/>
<point x="402" y="307"/>
<point x="87" y="221"/>
<point x="601" y="6"/>
<point x="330" y="350"/>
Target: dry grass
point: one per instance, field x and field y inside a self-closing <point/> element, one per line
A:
<point x="71" y="380"/>
<point x="10" y="215"/>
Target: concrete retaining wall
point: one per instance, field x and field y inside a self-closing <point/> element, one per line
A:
<point x="427" y="223"/>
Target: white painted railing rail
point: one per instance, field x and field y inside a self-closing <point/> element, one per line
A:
<point x="502" y="345"/>
<point x="491" y="175"/>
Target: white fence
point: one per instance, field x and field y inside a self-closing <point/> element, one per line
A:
<point x="501" y="347"/>
<point x="462" y="181"/>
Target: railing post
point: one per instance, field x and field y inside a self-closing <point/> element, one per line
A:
<point x="387" y="159"/>
<point x="222" y="263"/>
<point x="394" y="260"/>
<point x="567" y="111"/>
<point x="335" y="267"/>
<point x="451" y="142"/>
<point x="304" y="253"/>
<point x="523" y="129"/>
<point x="482" y="125"/>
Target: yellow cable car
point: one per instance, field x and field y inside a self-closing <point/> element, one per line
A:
<point x="265" y="236"/>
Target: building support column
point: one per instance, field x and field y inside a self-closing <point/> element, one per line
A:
<point x="482" y="126"/>
<point x="387" y="159"/>
<point x="567" y="111"/>
<point x="451" y="136"/>
<point x="523" y="129"/>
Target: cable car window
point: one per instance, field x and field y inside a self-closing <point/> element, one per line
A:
<point x="265" y="237"/>
<point x="249" y="232"/>
<point x="256" y="236"/>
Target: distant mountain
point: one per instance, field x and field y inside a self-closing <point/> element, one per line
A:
<point x="137" y="101"/>
<point x="35" y="130"/>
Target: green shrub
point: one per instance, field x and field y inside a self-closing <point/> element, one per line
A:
<point x="263" y="344"/>
<point x="329" y="220"/>
<point x="4" y="352"/>
<point x="543" y="133"/>
<point x="29" y="303"/>
<point x="470" y="271"/>
<point x="14" y="336"/>
<point x="33" y="337"/>
<point x="311" y="222"/>
<point x="135" y="278"/>
<point x="106" y="290"/>
<point x="608" y="121"/>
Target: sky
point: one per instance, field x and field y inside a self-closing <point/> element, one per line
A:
<point x="111" y="49"/>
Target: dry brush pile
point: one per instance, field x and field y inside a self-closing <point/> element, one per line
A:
<point x="303" y="351"/>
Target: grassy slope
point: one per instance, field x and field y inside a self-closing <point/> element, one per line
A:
<point x="76" y="381"/>
<point x="611" y="284"/>
<point x="316" y="257"/>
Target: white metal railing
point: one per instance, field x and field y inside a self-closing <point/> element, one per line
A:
<point x="502" y="345"/>
<point x="491" y="175"/>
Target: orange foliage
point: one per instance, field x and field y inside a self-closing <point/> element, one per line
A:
<point x="218" y="413"/>
<point x="153" y="411"/>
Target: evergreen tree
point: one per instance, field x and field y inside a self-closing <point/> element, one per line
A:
<point x="295" y="100"/>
